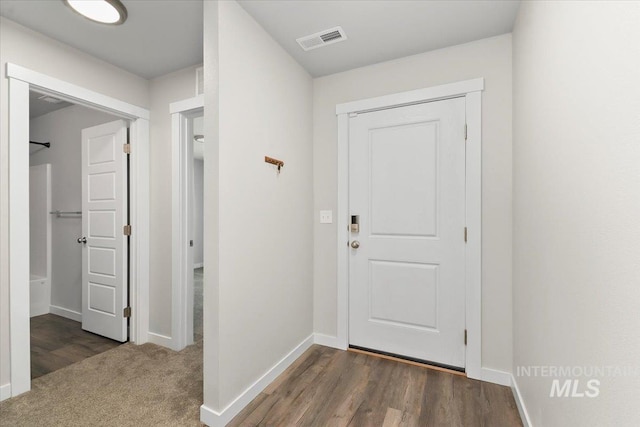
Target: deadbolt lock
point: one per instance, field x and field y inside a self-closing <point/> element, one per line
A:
<point x="354" y="227"/>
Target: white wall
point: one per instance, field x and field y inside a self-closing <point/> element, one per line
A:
<point x="198" y="218"/>
<point x="264" y="284"/>
<point x="576" y="164"/>
<point x="489" y="58"/>
<point x="37" y="52"/>
<point x="164" y="90"/>
<point x="211" y="279"/>
<point x="62" y="128"/>
<point x="39" y="220"/>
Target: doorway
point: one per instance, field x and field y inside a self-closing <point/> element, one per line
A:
<point x="384" y="290"/>
<point x="71" y="302"/>
<point x="406" y="200"/>
<point x="188" y="189"/>
<point x="197" y="223"/>
<point x="21" y="82"/>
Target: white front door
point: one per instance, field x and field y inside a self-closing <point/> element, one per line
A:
<point x="407" y="189"/>
<point x="104" y="215"/>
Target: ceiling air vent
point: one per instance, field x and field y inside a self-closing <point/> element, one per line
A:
<point x="321" y="39"/>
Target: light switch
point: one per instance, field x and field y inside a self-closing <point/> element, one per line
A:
<point x="326" y="217"/>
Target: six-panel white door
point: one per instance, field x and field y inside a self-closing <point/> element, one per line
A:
<point x="104" y="214"/>
<point x="407" y="186"/>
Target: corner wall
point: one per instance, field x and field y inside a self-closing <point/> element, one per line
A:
<point x="576" y="207"/>
<point x="265" y="278"/>
<point x="164" y="90"/>
<point x="489" y="58"/>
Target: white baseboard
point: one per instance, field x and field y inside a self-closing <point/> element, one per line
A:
<point x="65" y="312"/>
<point x="5" y="391"/>
<point x="524" y="415"/>
<point x="327" y="341"/>
<point x="198" y="265"/>
<point x="214" y="418"/>
<point x="159" y="339"/>
<point x="496" y="377"/>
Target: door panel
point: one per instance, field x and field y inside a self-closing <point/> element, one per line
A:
<point x="104" y="214"/>
<point x="401" y="155"/>
<point x="407" y="185"/>
<point x="403" y="294"/>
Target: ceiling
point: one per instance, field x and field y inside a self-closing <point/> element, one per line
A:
<point x="378" y="30"/>
<point x="161" y="36"/>
<point x="158" y="37"/>
<point x="38" y="107"/>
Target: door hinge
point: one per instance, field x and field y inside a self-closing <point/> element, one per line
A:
<point x="126" y="312"/>
<point x="126" y="230"/>
<point x="465" y="337"/>
<point x="126" y="148"/>
<point x="465" y="131"/>
<point x="465" y="234"/>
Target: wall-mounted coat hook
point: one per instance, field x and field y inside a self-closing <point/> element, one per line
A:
<point x="273" y="161"/>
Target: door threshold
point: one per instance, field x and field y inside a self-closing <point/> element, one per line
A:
<point x="407" y="360"/>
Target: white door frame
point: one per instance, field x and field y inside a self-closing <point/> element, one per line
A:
<point x="182" y="271"/>
<point x="471" y="90"/>
<point x="21" y="80"/>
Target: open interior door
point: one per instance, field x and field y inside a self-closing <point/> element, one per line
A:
<point x="104" y="216"/>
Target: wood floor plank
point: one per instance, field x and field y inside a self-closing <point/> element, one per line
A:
<point x="254" y="412"/>
<point x="346" y="397"/>
<point x="412" y="398"/>
<point x="467" y="401"/>
<point x="297" y="379"/>
<point x="310" y="400"/>
<point x="57" y="342"/>
<point x="374" y="408"/>
<point x="500" y="406"/>
<point x="303" y="363"/>
<point x="330" y="388"/>
<point x="393" y="418"/>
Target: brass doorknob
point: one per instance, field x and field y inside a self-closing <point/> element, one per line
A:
<point x="355" y="244"/>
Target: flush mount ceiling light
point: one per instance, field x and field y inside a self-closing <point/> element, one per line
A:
<point x="103" y="11"/>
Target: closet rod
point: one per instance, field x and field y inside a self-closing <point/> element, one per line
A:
<point x="58" y="213"/>
<point x="46" y="144"/>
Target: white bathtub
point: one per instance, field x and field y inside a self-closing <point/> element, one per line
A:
<point x="39" y="295"/>
<point x="40" y="239"/>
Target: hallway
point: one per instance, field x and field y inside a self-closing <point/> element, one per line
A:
<point x="149" y="385"/>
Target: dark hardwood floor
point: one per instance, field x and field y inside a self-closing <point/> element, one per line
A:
<point x="328" y="387"/>
<point x="57" y="342"/>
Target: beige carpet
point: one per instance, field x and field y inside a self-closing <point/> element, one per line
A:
<point x="129" y="385"/>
